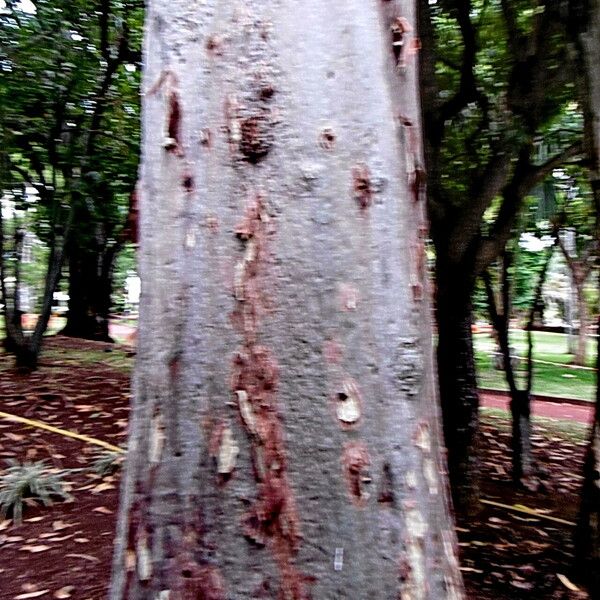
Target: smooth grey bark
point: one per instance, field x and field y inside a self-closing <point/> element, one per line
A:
<point x="284" y="439"/>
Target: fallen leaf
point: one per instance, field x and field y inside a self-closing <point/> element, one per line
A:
<point x="34" y="519"/>
<point x="35" y="549"/>
<point x="568" y="584"/>
<point x="84" y="556"/>
<point x="31" y="595"/>
<point x="102" y="487"/>
<point x="64" y="592"/>
<point x="103" y="510"/>
<point x="4" y="524"/>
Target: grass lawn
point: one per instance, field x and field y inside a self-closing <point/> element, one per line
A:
<point x="554" y="379"/>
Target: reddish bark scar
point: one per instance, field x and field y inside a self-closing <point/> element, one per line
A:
<point x="363" y="190"/>
<point x="172" y="141"/>
<point x="355" y="461"/>
<point x="273" y="518"/>
<point x="399" y="28"/>
<point x="332" y="351"/>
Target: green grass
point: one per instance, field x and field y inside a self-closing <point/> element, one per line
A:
<point x="555" y="379"/>
<point x="117" y="358"/>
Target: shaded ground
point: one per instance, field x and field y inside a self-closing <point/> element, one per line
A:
<point x="80" y="387"/>
<point x="64" y="551"/>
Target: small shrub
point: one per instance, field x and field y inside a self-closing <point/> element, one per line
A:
<point x="106" y="463"/>
<point x="28" y="480"/>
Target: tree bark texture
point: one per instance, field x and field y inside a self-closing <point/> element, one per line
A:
<point x="284" y="438"/>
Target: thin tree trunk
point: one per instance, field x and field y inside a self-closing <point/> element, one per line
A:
<point x="12" y="326"/>
<point x="284" y="436"/>
<point x="520" y="399"/>
<point x="582" y="335"/>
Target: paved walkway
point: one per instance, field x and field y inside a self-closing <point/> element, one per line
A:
<point x="558" y="409"/>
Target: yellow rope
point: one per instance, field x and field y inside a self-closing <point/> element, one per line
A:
<point x="528" y="511"/>
<point x="71" y="434"/>
<point x="90" y="440"/>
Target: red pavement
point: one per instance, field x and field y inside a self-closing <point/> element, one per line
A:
<point x="561" y="409"/>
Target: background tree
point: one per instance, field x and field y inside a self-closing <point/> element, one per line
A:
<point x="574" y="227"/>
<point x="69" y="125"/>
<point x="523" y="471"/>
<point x="500" y="83"/>
<point x="292" y="401"/>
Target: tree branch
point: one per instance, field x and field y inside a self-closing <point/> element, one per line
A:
<point x="525" y="177"/>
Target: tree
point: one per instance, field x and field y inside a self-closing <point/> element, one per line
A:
<point x="520" y="398"/>
<point x="499" y="84"/>
<point x="284" y="433"/>
<point x="69" y="126"/>
<point x="585" y="28"/>
<point x="574" y="227"/>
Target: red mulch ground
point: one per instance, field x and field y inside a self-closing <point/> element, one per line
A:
<point x="65" y="551"/>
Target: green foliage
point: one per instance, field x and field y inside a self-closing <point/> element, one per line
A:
<point x="29" y="480"/>
<point x="106" y="463"/>
<point x="69" y="118"/>
<point x="553" y="374"/>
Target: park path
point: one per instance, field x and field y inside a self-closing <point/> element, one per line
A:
<point x="561" y="408"/>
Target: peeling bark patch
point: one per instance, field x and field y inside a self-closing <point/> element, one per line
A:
<point x="422" y="438"/>
<point x="273" y="519"/>
<point x="172" y="133"/>
<point x="413" y="567"/>
<point x="348" y="403"/>
<point x="255" y="141"/>
<point x="172" y="141"/>
<point x="194" y="581"/>
<point x="206" y="137"/>
<point x="399" y="28"/>
<point x="355" y="462"/>
<point x="361" y="182"/>
<point x="232" y="120"/>
<point x="228" y="451"/>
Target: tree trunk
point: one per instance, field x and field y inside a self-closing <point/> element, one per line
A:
<point x="284" y="436"/>
<point x="458" y="382"/>
<point x="587" y="39"/>
<point x="90" y="288"/>
<point x="582" y="312"/>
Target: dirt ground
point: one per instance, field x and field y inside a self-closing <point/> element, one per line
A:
<point x="64" y="551"/>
